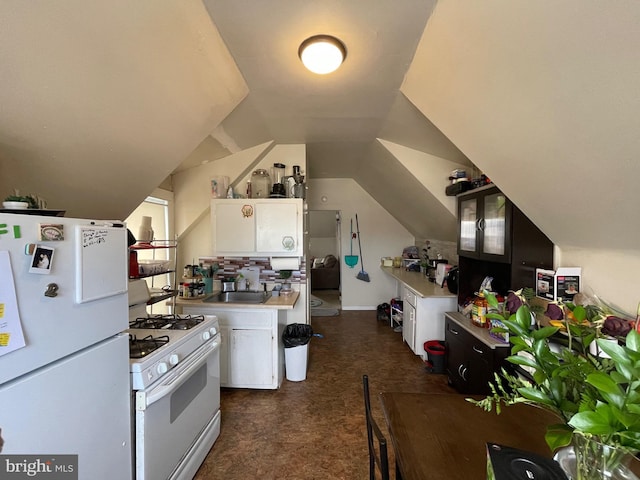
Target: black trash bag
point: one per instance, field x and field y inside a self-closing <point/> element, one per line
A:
<point x="383" y="311"/>
<point x="296" y="335"/>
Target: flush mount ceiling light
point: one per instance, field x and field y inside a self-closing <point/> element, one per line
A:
<point x="322" y="54"/>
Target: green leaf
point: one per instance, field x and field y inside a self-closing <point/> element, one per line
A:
<point x="515" y="328"/>
<point x="591" y="422"/>
<point x="633" y="341"/>
<point x="544" y="332"/>
<point x="558" y="435"/>
<point x="492" y="301"/>
<point x="579" y="313"/>
<point x="522" y="360"/>
<point x="523" y="317"/>
<point x="535" y="395"/>
<point x="616" y="352"/>
<point x="603" y="382"/>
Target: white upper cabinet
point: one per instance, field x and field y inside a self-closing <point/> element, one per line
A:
<point x="257" y="227"/>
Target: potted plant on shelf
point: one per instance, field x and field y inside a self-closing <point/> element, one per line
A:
<point x="595" y="397"/>
<point x="20" y="202"/>
<point x="286" y="285"/>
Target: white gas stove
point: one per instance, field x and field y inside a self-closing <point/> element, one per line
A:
<point x="175" y="380"/>
<point x="159" y="343"/>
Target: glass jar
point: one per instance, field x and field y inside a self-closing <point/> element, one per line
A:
<point x="260" y="184"/>
<point x="479" y="312"/>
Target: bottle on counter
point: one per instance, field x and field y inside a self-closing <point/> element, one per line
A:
<point x="479" y="311"/>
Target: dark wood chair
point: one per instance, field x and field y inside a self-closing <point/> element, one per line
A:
<point x="377" y="457"/>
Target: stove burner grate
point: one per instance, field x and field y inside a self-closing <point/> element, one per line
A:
<point x="141" y="347"/>
<point x="169" y="322"/>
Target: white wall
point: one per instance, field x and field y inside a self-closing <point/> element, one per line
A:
<point x="381" y="236"/>
<point x="105" y="99"/>
<point x="611" y="274"/>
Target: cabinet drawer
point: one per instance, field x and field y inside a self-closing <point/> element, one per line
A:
<point x="481" y="350"/>
<point x="409" y="296"/>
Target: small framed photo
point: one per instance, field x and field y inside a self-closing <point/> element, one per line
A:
<point x="41" y="260"/>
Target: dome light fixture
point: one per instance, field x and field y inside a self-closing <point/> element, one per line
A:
<point x="322" y="54"/>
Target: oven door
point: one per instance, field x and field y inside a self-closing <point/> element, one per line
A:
<point x="177" y="419"/>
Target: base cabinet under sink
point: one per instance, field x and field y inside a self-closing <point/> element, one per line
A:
<point x="252" y="352"/>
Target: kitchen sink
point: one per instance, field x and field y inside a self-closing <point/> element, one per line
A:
<point x="239" y="297"/>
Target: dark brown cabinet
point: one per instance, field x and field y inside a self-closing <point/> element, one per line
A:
<point x="496" y="239"/>
<point x="484" y="224"/>
<point x="472" y="356"/>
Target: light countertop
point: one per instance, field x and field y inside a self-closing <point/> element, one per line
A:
<point x="282" y="302"/>
<point x="418" y="282"/>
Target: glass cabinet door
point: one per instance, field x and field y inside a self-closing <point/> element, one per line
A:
<point x="468" y="224"/>
<point x="493" y="224"/>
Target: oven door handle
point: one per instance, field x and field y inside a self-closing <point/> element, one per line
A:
<point x="178" y="376"/>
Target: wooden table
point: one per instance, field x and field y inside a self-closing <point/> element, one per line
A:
<point x="443" y="437"/>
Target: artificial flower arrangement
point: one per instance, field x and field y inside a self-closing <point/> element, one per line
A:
<point x="594" y="397"/>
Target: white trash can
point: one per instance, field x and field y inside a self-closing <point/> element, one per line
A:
<point x="295" y="360"/>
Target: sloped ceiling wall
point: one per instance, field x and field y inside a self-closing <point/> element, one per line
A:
<point x="102" y="100"/>
<point x="543" y="97"/>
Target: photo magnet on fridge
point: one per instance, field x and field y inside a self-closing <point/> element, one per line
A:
<point x="41" y="260"/>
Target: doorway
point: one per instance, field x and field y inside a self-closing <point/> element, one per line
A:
<point x="325" y="255"/>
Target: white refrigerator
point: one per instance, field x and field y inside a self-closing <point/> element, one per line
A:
<point x="64" y="361"/>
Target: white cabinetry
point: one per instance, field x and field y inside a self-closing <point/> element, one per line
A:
<point x="252" y="353"/>
<point x="409" y="317"/>
<point x="255" y="227"/>
<point x="423" y="319"/>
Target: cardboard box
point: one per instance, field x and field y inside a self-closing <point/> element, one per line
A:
<point x="567" y="283"/>
<point x="545" y="284"/>
<point x="560" y="285"/>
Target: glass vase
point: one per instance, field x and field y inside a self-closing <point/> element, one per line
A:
<point x="589" y="459"/>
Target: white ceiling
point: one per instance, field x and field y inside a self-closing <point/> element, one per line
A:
<point x="338" y="116"/>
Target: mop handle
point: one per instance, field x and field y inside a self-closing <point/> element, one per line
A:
<point x="359" y="245"/>
<point x="351" y="237"/>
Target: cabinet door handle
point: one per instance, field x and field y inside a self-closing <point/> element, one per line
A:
<point x="477" y="350"/>
<point x="460" y="367"/>
<point x="481" y="224"/>
<point x="455" y="332"/>
<point x="464" y="374"/>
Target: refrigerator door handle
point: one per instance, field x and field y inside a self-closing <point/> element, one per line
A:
<point x="178" y="376"/>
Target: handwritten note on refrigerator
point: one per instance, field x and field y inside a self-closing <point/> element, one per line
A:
<point x="11" y="334"/>
<point x="101" y="262"/>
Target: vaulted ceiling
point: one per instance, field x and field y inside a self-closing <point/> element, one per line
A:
<point x="101" y="101"/>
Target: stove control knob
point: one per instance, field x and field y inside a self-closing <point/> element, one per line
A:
<point x="173" y="359"/>
<point x="213" y="330"/>
<point x="161" y="368"/>
<point x="206" y="335"/>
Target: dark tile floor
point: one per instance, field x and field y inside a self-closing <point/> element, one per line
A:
<point x="315" y="429"/>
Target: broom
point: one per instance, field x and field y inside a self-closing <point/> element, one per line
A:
<point x="362" y="275"/>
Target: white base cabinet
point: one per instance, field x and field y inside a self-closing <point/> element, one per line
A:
<point x="423" y="318"/>
<point x="252" y="353"/>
